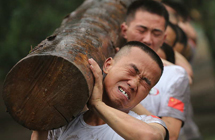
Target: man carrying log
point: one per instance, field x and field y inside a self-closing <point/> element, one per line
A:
<point x="146" y="22"/>
<point x="129" y="76"/>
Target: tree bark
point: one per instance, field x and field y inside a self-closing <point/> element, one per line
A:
<point x="52" y="84"/>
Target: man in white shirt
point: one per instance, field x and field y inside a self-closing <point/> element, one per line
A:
<point x="146" y="22"/>
<point x="129" y="76"/>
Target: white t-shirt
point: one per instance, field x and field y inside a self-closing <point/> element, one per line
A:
<point x="171" y="95"/>
<point x="79" y="130"/>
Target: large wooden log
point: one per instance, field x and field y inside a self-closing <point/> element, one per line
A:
<point x="51" y="85"/>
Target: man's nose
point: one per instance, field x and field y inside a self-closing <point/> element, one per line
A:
<point x="133" y="84"/>
<point x="147" y="39"/>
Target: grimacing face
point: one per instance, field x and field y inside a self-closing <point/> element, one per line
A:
<point x="129" y="79"/>
<point x="147" y="28"/>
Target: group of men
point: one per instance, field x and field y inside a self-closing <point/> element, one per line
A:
<point x="139" y="96"/>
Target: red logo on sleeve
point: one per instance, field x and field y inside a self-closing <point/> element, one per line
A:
<point x="175" y="103"/>
<point x="155" y="116"/>
<point x="154" y="91"/>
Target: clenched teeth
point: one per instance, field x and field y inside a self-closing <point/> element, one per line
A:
<point x="120" y="89"/>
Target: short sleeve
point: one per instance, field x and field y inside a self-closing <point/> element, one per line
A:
<point x="150" y="119"/>
<point x="155" y="119"/>
<point x="176" y="98"/>
<point x="56" y="133"/>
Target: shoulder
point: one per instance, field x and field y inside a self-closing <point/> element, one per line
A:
<point x="175" y="69"/>
<point x="174" y="72"/>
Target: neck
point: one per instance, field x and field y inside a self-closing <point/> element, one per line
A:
<point x="92" y="119"/>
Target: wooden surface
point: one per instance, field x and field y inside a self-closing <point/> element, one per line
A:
<point x="51" y="85"/>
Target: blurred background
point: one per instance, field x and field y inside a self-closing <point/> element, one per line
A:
<point x="25" y="23"/>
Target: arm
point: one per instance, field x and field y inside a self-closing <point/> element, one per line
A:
<point x="174" y="126"/>
<point x="125" y="125"/>
<point x="139" y="109"/>
<point x="175" y="101"/>
<point x="39" y="135"/>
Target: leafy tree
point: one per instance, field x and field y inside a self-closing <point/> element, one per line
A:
<point x="25" y="23"/>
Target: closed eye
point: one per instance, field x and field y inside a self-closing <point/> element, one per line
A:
<point x="147" y="81"/>
<point x="132" y="72"/>
<point x="141" y="29"/>
<point x="135" y="69"/>
<point x="157" y="32"/>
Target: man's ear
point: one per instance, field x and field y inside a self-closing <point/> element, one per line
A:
<point x="124" y="28"/>
<point x="108" y="64"/>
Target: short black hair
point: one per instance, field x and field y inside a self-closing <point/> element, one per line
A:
<point x="147" y="50"/>
<point x="179" y="7"/>
<point x="150" y="6"/>
<point x="169" y="52"/>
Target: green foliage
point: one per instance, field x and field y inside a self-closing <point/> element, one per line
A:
<point x="25" y="23"/>
<point x="206" y="19"/>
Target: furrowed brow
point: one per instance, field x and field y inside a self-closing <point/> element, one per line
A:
<point x="135" y="68"/>
<point x="137" y="71"/>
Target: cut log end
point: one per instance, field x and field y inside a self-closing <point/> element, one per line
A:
<point x="43" y="92"/>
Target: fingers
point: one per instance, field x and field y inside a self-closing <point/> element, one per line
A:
<point x="97" y="92"/>
<point x="95" y="69"/>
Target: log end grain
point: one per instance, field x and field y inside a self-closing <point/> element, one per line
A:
<point x="44" y="92"/>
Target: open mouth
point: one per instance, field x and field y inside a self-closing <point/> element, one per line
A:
<point x="123" y="92"/>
